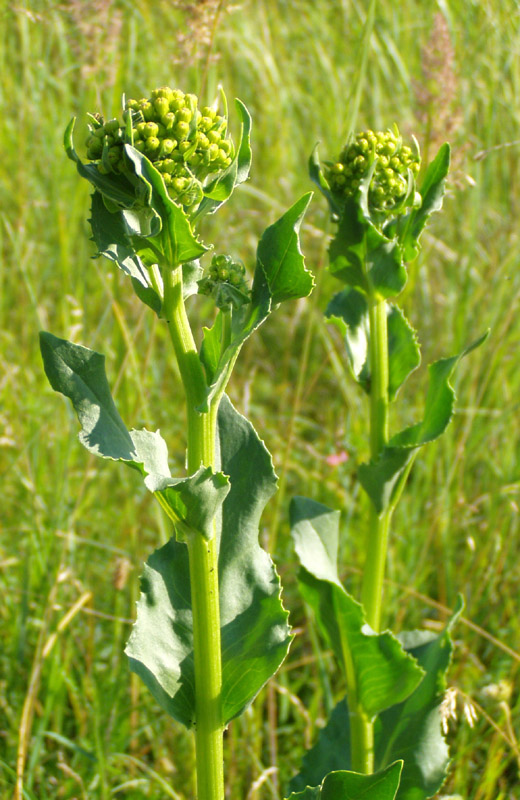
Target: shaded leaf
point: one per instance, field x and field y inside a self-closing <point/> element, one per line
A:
<point x="351" y="308"/>
<point x="432" y="193"/>
<point x="342" y="785"/>
<point x="79" y="374"/>
<point x="375" y="664"/>
<point x="380" y="478"/>
<point x="410" y="730"/>
<point x="218" y="190"/>
<point x="255" y="633"/>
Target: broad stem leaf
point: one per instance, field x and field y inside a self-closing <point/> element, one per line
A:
<point x="255" y="633"/>
<point x="378" y="671"/>
<point x="343" y="785"/>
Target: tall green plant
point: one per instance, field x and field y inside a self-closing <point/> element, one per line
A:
<point x="394" y="685"/>
<point x="211" y="628"/>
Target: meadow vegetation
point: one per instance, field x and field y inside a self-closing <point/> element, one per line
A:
<point x="72" y="546"/>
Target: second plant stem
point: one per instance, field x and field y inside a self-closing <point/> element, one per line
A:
<point x="203" y="555"/>
<point x="362" y="729"/>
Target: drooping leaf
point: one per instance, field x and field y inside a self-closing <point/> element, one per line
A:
<point x="280" y="275"/>
<point x="79" y="374"/>
<point x="351" y="308"/>
<point x="380" y="478"/>
<point x="410" y="731"/>
<point x="317" y="177"/>
<point x="375" y="664"/>
<point x="432" y="193"/>
<point x="116" y="188"/>
<point x="255" y="633"/>
<point x="343" y="785"/>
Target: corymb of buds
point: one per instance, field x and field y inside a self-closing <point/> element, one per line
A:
<point x="395" y="164"/>
<point x="226" y="283"/>
<point x="185" y="143"/>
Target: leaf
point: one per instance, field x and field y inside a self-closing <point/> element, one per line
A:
<point x="432" y="193"/>
<point x="255" y="633"/>
<point x="192" y="503"/>
<point x="115" y="187"/>
<point x="280" y="257"/>
<point x="351" y="307"/>
<point x="280" y="275"/>
<point x="409" y="731"/>
<point x="375" y="665"/>
<point x="317" y="177"/>
<point x="363" y="257"/>
<point x="343" y="785"/>
<point x="179" y="244"/>
<point x="380" y="478"/>
<point x="79" y="374"/>
<point x="412" y="730"/>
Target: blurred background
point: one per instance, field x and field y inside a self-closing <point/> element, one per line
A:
<point x="75" y="531"/>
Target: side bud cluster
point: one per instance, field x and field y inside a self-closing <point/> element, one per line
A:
<point x="185" y="143"/>
<point x="390" y="181"/>
<point x="226" y="283"/>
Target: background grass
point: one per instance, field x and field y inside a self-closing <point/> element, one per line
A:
<point x="75" y="531"/>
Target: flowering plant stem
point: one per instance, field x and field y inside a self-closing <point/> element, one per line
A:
<point x="203" y="556"/>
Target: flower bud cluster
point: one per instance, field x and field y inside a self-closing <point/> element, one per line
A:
<point x="389" y="184"/>
<point x="185" y="143"/>
<point x="226" y="282"/>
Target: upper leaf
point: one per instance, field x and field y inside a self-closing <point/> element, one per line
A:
<point x="380" y="478"/>
<point x="342" y="785"/>
<point x="280" y="275"/>
<point x="375" y="664"/>
<point x="432" y="193"/>
<point x="79" y="374"/>
<point x="254" y="629"/>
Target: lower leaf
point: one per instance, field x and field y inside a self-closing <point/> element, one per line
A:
<point x="343" y="785"/>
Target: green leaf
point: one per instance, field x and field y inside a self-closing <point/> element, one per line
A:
<point x="191" y="503"/>
<point x="217" y="191"/>
<point x="432" y="193"/>
<point x="281" y="259"/>
<point x="179" y="244"/>
<point x="280" y="275"/>
<point x="350" y="308"/>
<point x="410" y="731"/>
<point x="381" y="479"/>
<point x="114" y="187"/>
<point x="255" y="633"/>
<point x="343" y="785"/>
<point x="363" y="257"/>
<point x="375" y="664"/>
<point x="79" y="374"/>
<point x="317" y="177"/>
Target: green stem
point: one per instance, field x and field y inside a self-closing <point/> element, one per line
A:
<point x="203" y="555"/>
<point x="362" y="747"/>
<point x="373" y="576"/>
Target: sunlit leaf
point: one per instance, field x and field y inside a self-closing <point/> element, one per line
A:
<point x="343" y="785"/>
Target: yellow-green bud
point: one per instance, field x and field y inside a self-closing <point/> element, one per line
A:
<point x="151" y="129"/>
<point x="181" y="130"/>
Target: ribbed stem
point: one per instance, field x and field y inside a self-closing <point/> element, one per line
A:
<point x="203" y="556"/>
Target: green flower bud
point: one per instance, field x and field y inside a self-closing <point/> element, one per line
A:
<point x="166" y="165"/>
<point x="139" y="144"/>
<point x="168" y="120"/>
<point x="206" y="124"/>
<point x="151" y="129"/>
<point x="208" y="112"/>
<point x="181" y="130"/>
<point x="180" y="184"/>
<point x="213" y="151"/>
<point x="161" y="105"/>
<point x="151" y="145"/>
<point x="99" y="133"/>
<point x="184" y="115"/>
<point x="112" y="126"/>
<point x="167" y="146"/>
<point x="177" y="100"/>
<point x="226" y="146"/>
<point x="147" y="110"/>
<point x="214" y="137"/>
<point x="132" y="104"/>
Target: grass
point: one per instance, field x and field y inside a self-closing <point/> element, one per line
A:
<point x="74" y="532"/>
